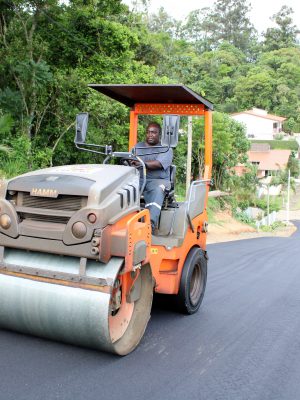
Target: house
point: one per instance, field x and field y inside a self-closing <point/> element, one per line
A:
<point x="259" y="124"/>
<point x="267" y="161"/>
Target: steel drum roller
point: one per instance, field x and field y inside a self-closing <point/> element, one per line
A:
<point x="73" y="315"/>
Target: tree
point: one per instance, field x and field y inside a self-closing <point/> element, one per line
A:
<point x="285" y="34"/>
<point x="49" y="52"/>
<point x="255" y="89"/>
<point x="293" y="165"/>
<point x="228" y="21"/>
<point x="23" y="52"/>
<point x="216" y="73"/>
<point x="197" y="29"/>
<point x="163" y="22"/>
<point x="283" y="67"/>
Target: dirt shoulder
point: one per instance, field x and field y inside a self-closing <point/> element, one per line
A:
<point x="227" y="229"/>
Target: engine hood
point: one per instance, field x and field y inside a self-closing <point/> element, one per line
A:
<point x="71" y="180"/>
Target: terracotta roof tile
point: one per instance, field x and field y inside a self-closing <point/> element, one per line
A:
<point x="265" y="116"/>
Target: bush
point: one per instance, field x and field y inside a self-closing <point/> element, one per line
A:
<point x="273" y="227"/>
<point x="278" y="136"/>
<point x="245" y="218"/>
<point x="213" y="206"/>
<point x="275" y="204"/>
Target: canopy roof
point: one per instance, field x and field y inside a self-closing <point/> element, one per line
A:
<point x="155" y="94"/>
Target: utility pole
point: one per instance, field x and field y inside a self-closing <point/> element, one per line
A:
<point x="267" y="186"/>
<point x="268" y="204"/>
<point x="288" y="197"/>
<point x="189" y="154"/>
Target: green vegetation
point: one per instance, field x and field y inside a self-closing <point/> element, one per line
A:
<point x="50" y="50"/>
<point x="275" y="203"/>
<point x="273" y="227"/>
<point x="280" y="144"/>
<point x="214" y="205"/>
<point x="242" y="217"/>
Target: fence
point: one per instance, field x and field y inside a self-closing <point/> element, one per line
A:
<point x="268" y="220"/>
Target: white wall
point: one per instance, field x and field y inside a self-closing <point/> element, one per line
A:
<point x="261" y="128"/>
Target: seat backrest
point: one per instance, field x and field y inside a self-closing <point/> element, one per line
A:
<point x="196" y="198"/>
<point x="193" y="206"/>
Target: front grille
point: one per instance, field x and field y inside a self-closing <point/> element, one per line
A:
<point x="44" y="218"/>
<point x="62" y="202"/>
<point x="35" y="208"/>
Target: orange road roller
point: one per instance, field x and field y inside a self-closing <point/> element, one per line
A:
<point x="79" y="261"/>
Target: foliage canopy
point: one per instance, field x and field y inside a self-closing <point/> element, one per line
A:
<point x="50" y="50"/>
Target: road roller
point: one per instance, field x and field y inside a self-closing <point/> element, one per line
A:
<point x="78" y="260"/>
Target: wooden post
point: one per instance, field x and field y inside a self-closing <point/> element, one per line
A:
<point x="189" y="154"/>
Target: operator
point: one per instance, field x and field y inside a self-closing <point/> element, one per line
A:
<point x="158" y="171"/>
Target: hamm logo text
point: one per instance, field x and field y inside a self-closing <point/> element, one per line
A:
<point x="44" y="192"/>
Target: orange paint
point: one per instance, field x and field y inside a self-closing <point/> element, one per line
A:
<point x="133" y="129"/>
<point x="208" y="143"/>
<point x="160" y="109"/>
<point x="167" y="265"/>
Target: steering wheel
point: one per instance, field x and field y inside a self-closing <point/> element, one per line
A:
<point x="142" y="168"/>
<point x="125" y="161"/>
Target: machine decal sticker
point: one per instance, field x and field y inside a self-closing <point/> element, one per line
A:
<point x="44" y="192"/>
<point x="83" y="169"/>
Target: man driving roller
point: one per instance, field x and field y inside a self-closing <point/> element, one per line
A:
<point x="157" y="161"/>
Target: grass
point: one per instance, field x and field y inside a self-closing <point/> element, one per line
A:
<point x="180" y="192"/>
<point x="273" y="227"/>
<point x="213" y="206"/>
<point x="280" y="144"/>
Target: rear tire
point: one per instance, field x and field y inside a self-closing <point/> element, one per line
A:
<point x="193" y="282"/>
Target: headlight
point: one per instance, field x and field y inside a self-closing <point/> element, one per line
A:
<point x="5" y="221"/>
<point x="79" y="230"/>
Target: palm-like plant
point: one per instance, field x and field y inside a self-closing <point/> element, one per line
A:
<point x="5" y="149"/>
<point x="6" y="124"/>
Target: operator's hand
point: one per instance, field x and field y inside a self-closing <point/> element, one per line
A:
<point x="135" y="163"/>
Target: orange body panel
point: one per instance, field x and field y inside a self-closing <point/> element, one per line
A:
<point x="208" y="143"/>
<point x="160" y="109"/>
<point x="128" y="231"/>
<point x="167" y="264"/>
<point x="138" y="228"/>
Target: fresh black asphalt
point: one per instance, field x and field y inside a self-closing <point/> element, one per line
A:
<point x="244" y="343"/>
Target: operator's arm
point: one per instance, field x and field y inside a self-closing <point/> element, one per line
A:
<point x="163" y="161"/>
<point x="151" y="165"/>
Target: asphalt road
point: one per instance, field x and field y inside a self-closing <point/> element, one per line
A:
<point x="244" y="343"/>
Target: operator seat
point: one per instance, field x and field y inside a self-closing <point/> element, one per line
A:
<point x="169" y="200"/>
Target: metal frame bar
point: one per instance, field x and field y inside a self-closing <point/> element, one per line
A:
<point x="58" y="276"/>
